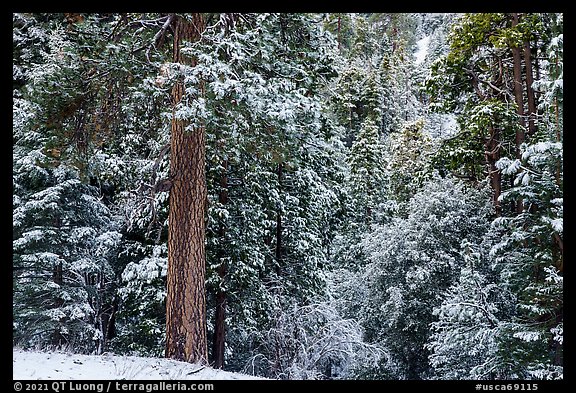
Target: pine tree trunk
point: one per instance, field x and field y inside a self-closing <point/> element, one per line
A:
<point x="186" y="297"/>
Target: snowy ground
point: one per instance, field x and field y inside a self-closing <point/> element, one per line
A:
<point x="65" y="366"/>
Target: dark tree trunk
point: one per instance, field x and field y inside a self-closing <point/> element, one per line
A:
<point x="186" y="297"/>
<point x="58" y="278"/>
<point x="111" y="326"/>
<point x="518" y="87"/>
<point x="492" y="154"/>
<point x="518" y="96"/>
<point x="57" y="274"/>
<point x="219" y="340"/>
<point x="339" y="31"/>
<point x="218" y="344"/>
<point x="278" y="251"/>
<point x="532" y="108"/>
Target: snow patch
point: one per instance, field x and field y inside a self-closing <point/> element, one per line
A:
<point x="65" y="366"/>
<point x="422" y="49"/>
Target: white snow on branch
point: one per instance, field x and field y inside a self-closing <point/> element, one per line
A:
<point x="422" y="49"/>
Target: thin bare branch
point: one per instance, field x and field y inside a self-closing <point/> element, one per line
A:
<point x="159" y="36"/>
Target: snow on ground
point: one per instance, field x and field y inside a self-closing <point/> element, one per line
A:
<point x="65" y="366"/>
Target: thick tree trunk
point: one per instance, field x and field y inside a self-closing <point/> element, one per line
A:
<point x="219" y="340"/>
<point x="186" y="297"/>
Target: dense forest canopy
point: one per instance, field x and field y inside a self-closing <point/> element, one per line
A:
<point x="296" y="196"/>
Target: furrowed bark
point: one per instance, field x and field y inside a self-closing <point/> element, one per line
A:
<point x="186" y="296"/>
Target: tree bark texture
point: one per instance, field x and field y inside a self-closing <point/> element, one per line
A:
<point x="186" y="296"/>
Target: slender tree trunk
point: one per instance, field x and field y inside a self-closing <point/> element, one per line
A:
<point x="557" y="107"/>
<point x="492" y="155"/>
<point x="278" y="250"/>
<point x="339" y="31"/>
<point x="58" y="278"/>
<point x="557" y="238"/>
<point x="560" y="244"/>
<point x="517" y="69"/>
<point x="532" y="109"/>
<point x="219" y="340"/>
<point x="518" y="96"/>
<point x="111" y="326"/>
<point x="186" y="297"/>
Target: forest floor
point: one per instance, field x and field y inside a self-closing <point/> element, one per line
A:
<point x="66" y="366"/>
